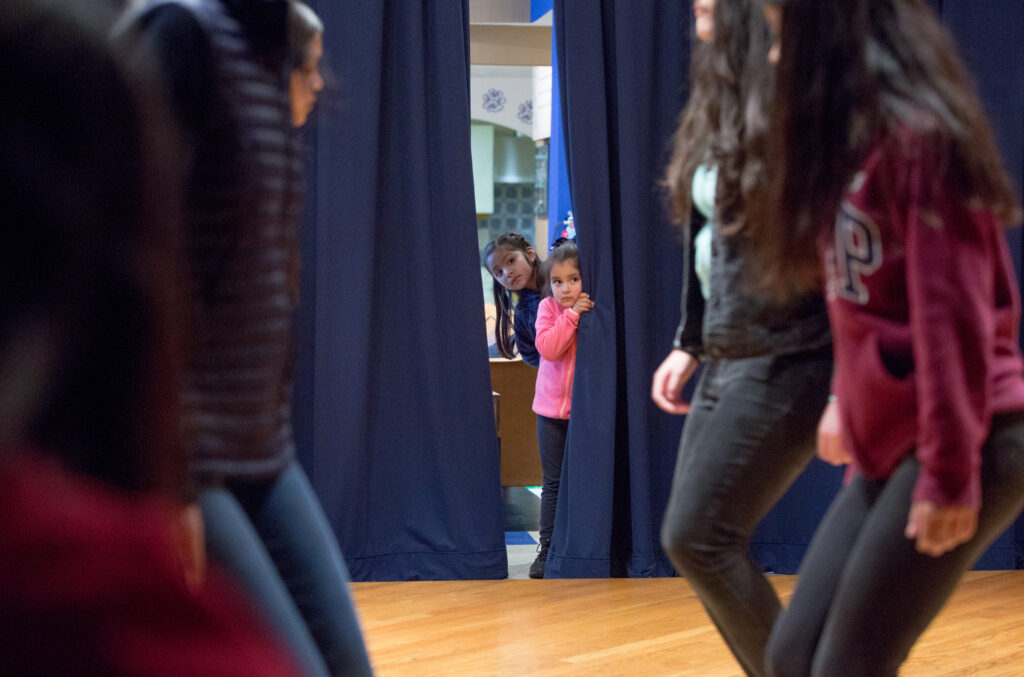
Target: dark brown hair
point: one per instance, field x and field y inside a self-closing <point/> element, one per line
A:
<point x="726" y="114"/>
<point x="88" y="177"/>
<point x="303" y="26"/>
<point x="849" y="73"/>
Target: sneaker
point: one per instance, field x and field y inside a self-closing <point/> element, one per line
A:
<point x="537" y="568"/>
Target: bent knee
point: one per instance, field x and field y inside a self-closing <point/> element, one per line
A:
<point x="784" y="657"/>
<point x="691" y="548"/>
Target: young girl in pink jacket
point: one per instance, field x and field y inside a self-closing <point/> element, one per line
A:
<point x="557" y="319"/>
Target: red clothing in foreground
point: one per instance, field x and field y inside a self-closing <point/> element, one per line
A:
<point x="924" y="309"/>
<point x="90" y="585"/>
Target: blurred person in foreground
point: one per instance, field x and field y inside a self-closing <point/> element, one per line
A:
<point x="91" y="469"/>
<point x="227" y="71"/>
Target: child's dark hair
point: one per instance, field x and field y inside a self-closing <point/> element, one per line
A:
<point x="503" y="302"/>
<point x="564" y="251"/>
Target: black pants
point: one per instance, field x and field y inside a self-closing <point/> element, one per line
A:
<point x="864" y="594"/>
<point x="751" y="430"/>
<point x="551" y="434"/>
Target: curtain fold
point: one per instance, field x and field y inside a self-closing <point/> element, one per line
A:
<point x="623" y="81"/>
<point x="393" y="402"/>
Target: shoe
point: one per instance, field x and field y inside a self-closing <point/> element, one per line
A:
<point x="537" y="568"/>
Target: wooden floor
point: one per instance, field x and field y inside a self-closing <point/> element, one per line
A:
<point x="638" y="627"/>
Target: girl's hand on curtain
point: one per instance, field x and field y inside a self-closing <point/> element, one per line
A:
<point x="583" y="303"/>
<point x="669" y="379"/>
<point x="937" y="529"/>
<point x="830" y="439"/>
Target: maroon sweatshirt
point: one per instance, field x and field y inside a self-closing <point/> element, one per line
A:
<point x="91" y="585"/>
<point x="925" y="312"/>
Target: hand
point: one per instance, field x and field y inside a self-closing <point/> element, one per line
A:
<point x="669" y="379"/>
<point x="583" y="303"/>
<point x="937" y="529"/>
<point x="189" y="540"/>
<point x="830" y="439"/>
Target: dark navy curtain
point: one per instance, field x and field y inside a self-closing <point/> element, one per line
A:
<point x="393" y="401"/>
<point x="623" y="81"/>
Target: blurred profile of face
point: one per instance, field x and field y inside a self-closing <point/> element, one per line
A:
<point x="306" y="82"/>
<point x="704" y="20"/>
<point x="773" y="15"/>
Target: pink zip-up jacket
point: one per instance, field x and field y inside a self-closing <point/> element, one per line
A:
<point x="556" y="343"/>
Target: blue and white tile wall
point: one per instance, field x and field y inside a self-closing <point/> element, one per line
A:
<point x="514" y="210"/>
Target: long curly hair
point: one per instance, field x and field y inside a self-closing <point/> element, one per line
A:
<point x="725" y="119"/>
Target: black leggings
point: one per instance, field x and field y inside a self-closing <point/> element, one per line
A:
<point x="864" y="594"/>
<point x="551" y="434"/>
<point x="749" y="434"/>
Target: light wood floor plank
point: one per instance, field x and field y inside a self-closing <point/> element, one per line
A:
<point x="638" y="627"/>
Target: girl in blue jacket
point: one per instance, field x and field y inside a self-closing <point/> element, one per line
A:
<point x="513" y="263"/>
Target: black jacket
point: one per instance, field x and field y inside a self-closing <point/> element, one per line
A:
<point x="523" y="322"/>
<point x="734" y="322"/>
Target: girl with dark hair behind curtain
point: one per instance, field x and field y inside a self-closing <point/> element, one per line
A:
<point x="515" y="267"/>
<point x="750" y="428"/>
<point x="891" y="191"/>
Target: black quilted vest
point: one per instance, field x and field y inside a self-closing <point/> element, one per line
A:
<point x="243" y="208"/>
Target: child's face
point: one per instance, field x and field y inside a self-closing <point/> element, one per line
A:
<point x="512" y="268"/>
<point x="566" y="285"/>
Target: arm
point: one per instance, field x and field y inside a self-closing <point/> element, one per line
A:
<point x="830" y="437"/>
<point x="190" y="543"/>
<point x="669" y="379"/>
<point x="556" y="331"/>
<point x="950" y="287"/>
<point x="676" y="370"/>
<point x="689" y="334"/>
<point x="524" y="338"/>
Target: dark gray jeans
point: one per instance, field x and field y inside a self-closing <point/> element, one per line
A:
<point x="751" y="430"/>
<point x="551" y="435"/>
<point x="864" y="594"/>
<point x="274" y="538"/>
